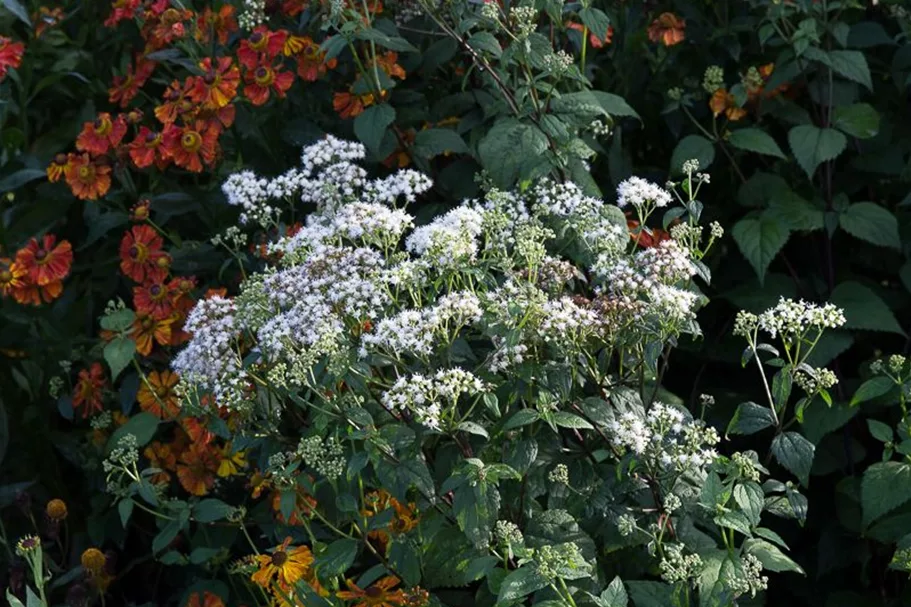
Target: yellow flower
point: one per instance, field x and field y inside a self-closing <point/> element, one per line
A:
<point x="93" y="560"/>
<point x="286" y="564"/>
<point x="231" y="463"/>
<point x="56" y="510"/>
<point x="377" y="595"/>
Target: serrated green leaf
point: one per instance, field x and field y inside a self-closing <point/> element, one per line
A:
<point x="337" y="558"/>
<point x="615" y="594"/>
<point x="497" y="151"/>
<point x="880" y="431"/>
<point x="614" y="105"/>
<point x="851" y="65"/>
<point x="371" y="125"/>
<point x="864" y="309"/>
<point x="760" y="239"/>
<point x="771" y="556"/>
<point x="812" y="146"/>
<point x="436" y="142"/>
<point x="211" y="510"/>
<point x="872" y="388"/>
<point x="755" y="140"/>
<point x="860" y="120"/>
<point x="871" y="222"/>
<point x="750" y="498"/>
<point x="750" y="418"/>
<point x="142" y="426"/>
<point x="690" y="147"/>
<point x="885" y="487"/>
<point x="520" y="583"/>
<point x="795" y="453"/>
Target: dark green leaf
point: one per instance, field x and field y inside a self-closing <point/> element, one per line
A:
<point x="812" y="146"/>
<point x="864" y="309"/>
<point x="750" y="418"/>
<point x="795" y="453"/>
<point x="859" y="120"/>
<point x="19" y="179"/>
<point x="435" y="142"/>
<point x="755" y="140"/>
<point x="119" y="354"/>
<point x="885" y="487"/>
<point x="872" y="388"/>
<point x="142" y="426"/>
<point x="371" y="125"/>
<point x="771" y="557"/>
<point x="18" y="9"/>
<point x="211" y="510"/>
<point x="615" y="594"/>
<point x="871" y="222"/>
<point x="692" y="147"/>
<point x="852" y="65"/>
<point x="337" y="558"/>
<point x="760" y="239"/>
<point x="520" y="583"/>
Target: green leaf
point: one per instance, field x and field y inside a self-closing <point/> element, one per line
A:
<point x="859" y="120"/>
<point x="211" y="510"/>
<point x="520" y="418"/>
<point x="435" y="142"/>
<point x="885" y="487"/>
<point x="125" y="509"/>
<point x="750" y="418"/>
<point x="871" y="222"/>
<point x="485" y="42"/>
<point x="872" y="388"/>
<point x="142" y="426"/>
<point x="812" y="146"/>
<point x="864" y="309"/>
<point x="404" y="558"/>
<point x="18" y="9"/>
<point x="880" y="431"/>
<point x="760" y="239"/>
<point x="852" y="65"/>
<point x="13" y="601"/>
<point x="867" y="34"/>
<point x="521" y="582"/>
<point x="337" y="558"/>
<point x="650" y="594"/>
<point x="371" y="125"/>
<point x="615" y="594"/>
<point x="119" y="320"/>
<point x="393" y="43"/>
<point x="564" y="419"/>
<point x="614" y="105"/>
<point x="795" y="453"/>
<point x="596" y="21"/>
<point x="796" y="213"/>
<point x="166" y="535"/>
<point x="20" y="178"/>
<point x="119" y="354"/>
<point x="771" y="556"/>
<point x="692" y="146"/>
<point x="497" y="151"/>
<point x="755" y="140"/>
<point x="750" y="498"/>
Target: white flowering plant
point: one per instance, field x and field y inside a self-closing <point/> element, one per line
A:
<point x="471" y="405"/>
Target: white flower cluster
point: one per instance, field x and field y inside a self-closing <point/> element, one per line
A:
<point x="429" y="398"/>
<point x="749" y="579"/>
<point x="642" y="194"/>
<point x="666" y="439"/>
<point x="679" y="567"/>
<point x="246" y="190"/>
<point x="790" y="319"/>
<point x="451" y="240"/>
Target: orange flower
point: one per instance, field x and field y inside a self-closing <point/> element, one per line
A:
<point x="196" y="468"/>
<point x="12" y="276"/>
<point x="303" y="506"/>
<point x="192" y="145"/>
<point x="646" y="238"/>
<point x="156" y="394"/>
<point x="205" y="599"/>
<point x="88" y="178"/>
<point x="44" y="262"/>
<point x="388" y="63"/>
<point x="311" y="61"/>
<point x="153" y="297"/>
<point x="148" y="330"/>
<point x="195" y="428"/>
<point x="595" y="39"/>
<point x="403" y="520"/>
<point x="145" y="149"/>
<point x="101" y="135"/>
<point x="10" y="55"/>
<point x="668" y="29"/>
<point x="348" y="105"/>
<point x="221" y="24"/>
<point x="57" y="168"/>
<point x="378" y="595"/>
<point x="723" y="101"/>
<point x="287" y="565"/>
<point x="123" y="10"/>
<point x="31" y="294"/>
<point x="163" y="457"/>
<point x="88" y="394"/>
<point x="176" y="101"/>
<point x="141" y="257"/>
<point x="46" y="18"/>
<point x="261" y="43"/>
<point x="139" y="212"/>
<point x="125" y="88"/>
<point x="293" y="8"/>
<point x="259" y="83"/>
<point x="217" y="87"/>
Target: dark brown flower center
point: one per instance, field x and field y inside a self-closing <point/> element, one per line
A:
<point x="60" y="159"/>
<point x="256" y="38"/>
<point x="41" y="254"/>
<point x="279" y="558"/>
<point x="134" y="252"/>
<point x="373" y="592"/>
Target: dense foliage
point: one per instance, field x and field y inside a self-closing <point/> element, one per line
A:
<point x="485" y="341"/>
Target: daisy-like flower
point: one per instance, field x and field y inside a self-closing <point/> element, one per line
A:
<point x="141" y="256"/>
<point x="217" y="86"/>
<point x="140" y="211"/>
<point x="219" y="24"/>
<point x="205" y="599"/>
<point x="153" y="297"/>
<point x="101" y="135"/>
<point x="196" y="468"/>
<point x="122" y="10"/>
<point x="156" y="394"/>
<point x="668" y="29"/>
<point x="88" y="178"/>
<point x="350" y="105"/>
<point x="30" y="293"/>
<point x="10" y="55"/>
<point x="379" y="594"/>
<point x="56" y="170"/>
<point x="45" y="261"/>
<point x="164" y="457"/>
<point x="260" y="83"/>
<point x="12" y="276"/>
<point x="311" y="61"/>
<point x="176" y="102"/>
<point x="148" y="331"/>
<point x="286" y="565"/>
<point x="125" y="88"/>
<point x="261" y="43"/>
<point x="145" y="150"/>
<point x="596" y="39"/>
<point x="88" y="394"/>
<point x="723" y="102"/>
<point x="232" y="462"/>
<point x="192" y="145"/>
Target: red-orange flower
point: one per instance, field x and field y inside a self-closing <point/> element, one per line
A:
<point x="164" y="457"/>
<point x="380" y="594"/>
<point x="12" y="276"/>
<point x="723" y="101"/>
<point x="221" y="24"/>
<point x="141" y="255"/>
<point x="645" y="238"/>
<point x="259" y="83"/>
<point x="140" y="211"/>
<point x="668" y="28"/>
<point x="205" y="599"/>
<point x="349" y="104"/>
<point x="176" y="101"/>
<point x="217" y="86"/>
<point x="261" y="43"/>
<point x="44" y="262"/>
<point x="46" y="18"/>
<point x="153" y="297"/>
<point x="595" y="39"/>
<point x="147" y="331"/>
<point x="57" y="168"/>
<point x="101" y="135"/>
<point x="125" y="88"/>
<point x="192" y="145"/>
<point x="88" y="394"/>
<point x="196" y="468"/>
<point x="311" y="61"/>
<point x="10" y="55"/>
<point x="388" y="62"/>
<point x="145" y="150"/>
<point x="293" y="8"/>
<point x="88" y="178"/>
<point x="156" y="394"/>
<point x="122" y="10"/>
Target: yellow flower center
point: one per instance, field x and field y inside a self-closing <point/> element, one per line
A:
<point x="191" y="141"/>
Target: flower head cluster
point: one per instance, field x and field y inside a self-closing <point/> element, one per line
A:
<point x="642" y="194"/>
<point x="429" y="398"/>
<point x="679" y="567"/>
<point x="790" y="319"/>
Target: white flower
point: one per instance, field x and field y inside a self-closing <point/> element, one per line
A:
<point x="640" y="193"/>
